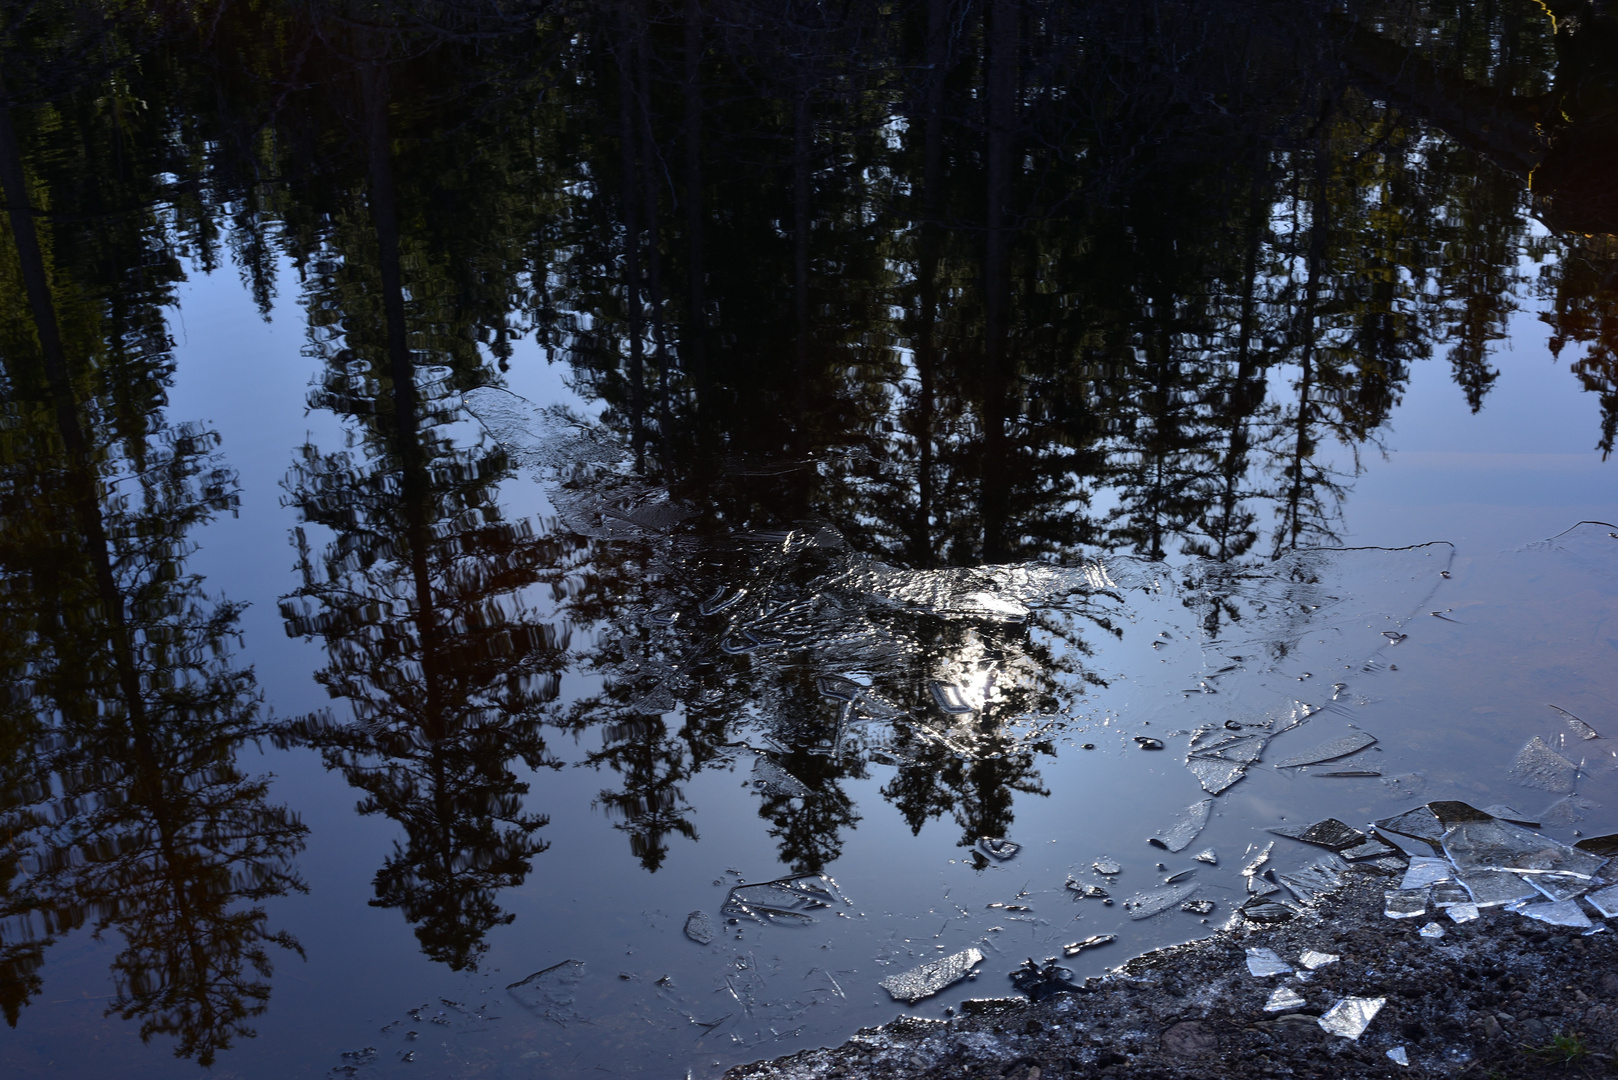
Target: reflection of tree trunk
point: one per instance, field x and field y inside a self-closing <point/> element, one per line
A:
<point x="1001" y="86"/>
<point x="932" y="168"/>
<point x="401" y="372"/>
<point x="1244" y="397"/>
<point x="801" y="141"/>
<point x="696" y="338"/>
<point x="1303" y="446"/>
<point x="632" y="197"/>
<point x="654" y="254"/>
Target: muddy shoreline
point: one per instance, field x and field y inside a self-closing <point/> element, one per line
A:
<point x="1499" y="997"/>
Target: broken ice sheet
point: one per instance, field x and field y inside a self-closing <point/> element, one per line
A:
<point x="1404" y="904"/>
<point x="1323" y="876"/>
<point x="1215" y="776"/>
<point x="1144" y="905"/>
<point x="1499" y="845"/>
<point x="1262" y="963"/>
<point x="771" y="779"/>
<point x="699" y="927"/>
<point x="787" y="900"/>
<point x="550" y="992"/>
<point x="1329" y="833"/>
<point x="1371" y="849"/>
<point x="1424" y="871"/>
<point x="1491" y="889"/>
<point x="1605" y="901"/>
<point x="1511" y="814"/>
<point x="928" y="979"/>
<point x="997" y="847"/>
<point x="1449" y="894"/>
<point x="1557" y="913"/>
<point x="1330" y="751"/>
<point x="1219" y="763"/>
<point x="1313" y="960"/>
<point x="1538" y="766"/>
<point x="1177" y="834"/>
<point x="1559" y="886"/>
<point x="1351" y="1016"/>
<point x="1420" y="824"/>
<point x="1568" y="810"/>
<point x="1283" y="998"/>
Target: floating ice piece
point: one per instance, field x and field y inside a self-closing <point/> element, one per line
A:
<point x="787" y="900"/>
<point x="952" y="699"/>
<point x="1257" y="861"/>
<point x="1557" y="913"/>
<point x="1319" y="878"/>
<point x="1425" y="871"/>
<point x="1313" y="960"/>
<point x="1262" y="963"/>
<point x="1197" y="907"/>
<point x="1432" y="930"/>
<point x="1219" y="763"/>
<point x="1490" y="889"/>
<point x="1208" y="856"/>
<point x="1420" y="823"/>
<point x="551" y="992"/>
<point x="1371" y="849"/>
<point x="1178" y="833"/>
<point x="1559" y="886"/>
<point x="1283" y="998"/>
<point x="1331" y="751"/>
<point x="699" y="927"/>
<point x="1345" y="774"/>
<point x="1461" y="913"/>
<point x="928" y="979"/>
<point x="1568" y="810"/>
<point x="1499" y="845"/>
<point x="1261" y="885"/>
<point x="1448" y="894"/>
<point x="1579" y="727"/>
<point x="998" y="848"/>
<point x="1538" y="766"/>
<point x="1107" y="865"/>
<point x="1351" y="1016"/>
<point x="1605" y="901"/>
<point x="1088" y="943"/>
<point x="1511" y="814"/>
<point x="1329" y="833"/>
<point x="1215" y="776"/>
<point x="771" y="779"/>
<point x="1144" y="905"/>
<point x="1404" y="904"/>
<point x="1398" y="1056"/>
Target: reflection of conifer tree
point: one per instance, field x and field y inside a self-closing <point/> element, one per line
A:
<point x="420" y="596"/>
<point x="138" y="819"/>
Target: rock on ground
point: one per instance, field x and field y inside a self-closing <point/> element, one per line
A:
<point x="1501" y="997"/>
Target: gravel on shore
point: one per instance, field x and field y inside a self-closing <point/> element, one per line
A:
<point x="1500" y="997"/>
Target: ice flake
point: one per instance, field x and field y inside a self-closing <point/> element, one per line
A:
<point x="998" y="848"/>
<point x="1420" y="823"/>
<point x="1313" y="960"/>
<point x="787" y="900"/>
<point x="771" y="779"/>
<point x="699" y="927"/>
<point x="1323" y="876"/>
<point x="1262" y="963"/>
<point x="1329" y="833"/>
<point x="551" y="992"/>
<point x="1283" y="998"/>
<point x="1074" y="948"/>
<point x="1511" y="814"/>
<point x="1490" y="889"/>
<point x="1398" y="1056"/>
<point x="928" y="979"/>
<point x="1403" y="904"/>
<point x="1432" y="930"/>
<point x="1331" y="751"/>
<point x="1559" y="886"/>
<point x="1107" y="865"/>
<point x="1578" y="727"/>
<point x="1371" y="849"/>
<point x="1177" y="834"/>
<point x="1605" y="901"/>
<point x="1461" y="913"/>
<point x="1538" y="766"/>
<point x="1144" y="905"/>
<point x="1558" y="913"/>
<point x="1351" y="1016"/>
<point x="1426" y="871"/>
<point x="1257" y="862"/>
<point x="1568" y="810"/>
<point x="1215" y="776"/>
<point x="1207" y="855"/>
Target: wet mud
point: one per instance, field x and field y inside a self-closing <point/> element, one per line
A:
<point x="1500" y="996"/>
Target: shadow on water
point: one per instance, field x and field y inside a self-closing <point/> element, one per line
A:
<point x="966" y="393"/>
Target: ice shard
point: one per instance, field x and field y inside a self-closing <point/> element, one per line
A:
<point x="1351" y="1016"/>
<point x="1262" y="963"/>
<point x="1538" y="766"/>
<point x="1178" y="833"/>
<point x="1329" y="833"/>
<point x="1144" y="905"/>
<point x="928" y="979"/>
<point x="699" y="927"/>
<point x="786" y="901"/>
<point x="1283" y="998"/>
<point x="1330" y="751"/>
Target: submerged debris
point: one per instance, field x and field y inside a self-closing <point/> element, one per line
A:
<point x="1197" y="907"/>
<point x="928" y="979"/>
<point x="1178" y="833"/>
<point x="1351" y="1016"/>
<point x="1330" y="751"/>
<point x="1042" y="982"/>
<point x="550" y="992"/>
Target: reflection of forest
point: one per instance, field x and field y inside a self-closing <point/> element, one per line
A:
<point x="971" y="281"/>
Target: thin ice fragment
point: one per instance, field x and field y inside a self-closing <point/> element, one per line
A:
<point x="1398" y="1056"/>
<point x="1605" y="901"/>
<point x="1579" y="727"/>
<point x="1107" y="865"/>
<point x="1331" y="751"/>
<point x="997" y="847"/>
<point x="1313" y="960"/>
<point x="1462" y="912"/>
<point x="1371" y="849"/>
<point x="1351" y="1016"/>
<point x="1420" y="823"/>
<point x="1557" y="913"/>
<point x="1208" y="856"/>
<point x="1511" y="814"/>
<point x="1257" y="862"/>
<point x="1559" y="886"/>
<point x="1425" y="871"/>
<point x="1090" y="942"/>
<point x="1499" y="845"/>
<point x="1178" y="833"/>
<point x="951" y="699"/>
<point x="1260" y="885"/>
<point x="1262" y="963"/>
<point x="771" y="779"/>
<point x="1538" y="766"/>
<point x="1215" y="776"/>
<point x="1319" y="878"/>
<point x="1329" y="833"/>
<point x="1283" y="998"/>
<point x="1432" y="930"/>
<point x="551" y="992"/>
<point x="699" y="927"/>
<point x="1144" y="905"/>
<point x="928" y="979"/>
<point x="1197" y="907"/>
<point x="785" y="901"/>
<point x="1448" y="894"/>
<point x="1568" y="810"/>
<point x="1491" y="889"/>
<point x="1278" y="911"/>
<point x="1404" y="904"/>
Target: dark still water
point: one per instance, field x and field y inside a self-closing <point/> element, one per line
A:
<point x="486" y="489"/>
